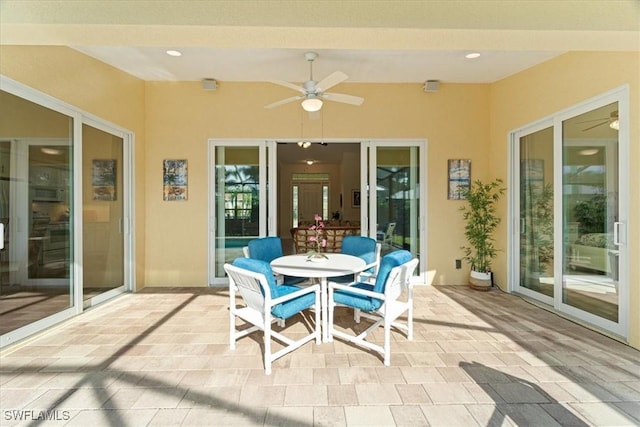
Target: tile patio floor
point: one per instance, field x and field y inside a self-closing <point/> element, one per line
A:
<point x="161" y="357"/>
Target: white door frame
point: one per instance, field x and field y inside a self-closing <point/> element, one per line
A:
<point x="621" y="96"/>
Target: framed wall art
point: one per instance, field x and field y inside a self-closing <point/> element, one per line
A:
<point x="459" y="178"/>
<point x="103" y="179"/>
<point x="355" y="198"/>
<point x="174" y="180"/>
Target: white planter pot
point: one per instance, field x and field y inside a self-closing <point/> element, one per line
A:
<point x="480" y="281"/>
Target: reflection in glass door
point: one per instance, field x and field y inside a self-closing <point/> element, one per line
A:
<point x="536" y="212"/>
<point x="35" y="196"/>
<point x="395" y="179"/>
<point x="239" y="203"/>
<point x="590" y="213"/>
<point x="103" y="214"/>
<point x="570" y="246"/>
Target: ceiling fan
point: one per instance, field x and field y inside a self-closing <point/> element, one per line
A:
<point x="312" y="93"/>
<point x="612" y="120"/>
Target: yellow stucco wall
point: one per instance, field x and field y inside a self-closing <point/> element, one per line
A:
<point x="556" y="85"/>
<point x="180" y="117"/>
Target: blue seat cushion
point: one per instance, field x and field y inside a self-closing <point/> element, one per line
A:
<point x="361" y="302"/>
<point x="365" y="303"/>
<point x="283" y="310"/>
<point x="292" y="307"/>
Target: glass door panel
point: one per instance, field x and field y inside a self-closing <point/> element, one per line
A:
<point x="397" y="186"/>
<point x="590" y="212"/>
<point x="536" y="212"/>
<point x="237" y="202"/>
<point x="35" y="196"/>
<point x="103" y="212"/>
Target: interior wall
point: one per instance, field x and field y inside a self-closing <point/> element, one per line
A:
<point x="553" y="86"/>
<point x="96" y="88"/>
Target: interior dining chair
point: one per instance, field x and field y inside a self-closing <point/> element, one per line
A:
<point x="266" y="303"/>
<point x="367" y="249"/>
<point x="382" y="303"/>
<point x="267" y="249"/>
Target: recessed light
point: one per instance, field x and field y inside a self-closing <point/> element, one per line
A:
<point x="472" y="55"/>
<point x="174" y="53"/>
<point x="309" y="162"/>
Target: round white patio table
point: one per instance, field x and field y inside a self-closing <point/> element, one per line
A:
<point x="335" y="265"/>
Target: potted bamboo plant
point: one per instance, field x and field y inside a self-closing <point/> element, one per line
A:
<point x="481" y="220"/>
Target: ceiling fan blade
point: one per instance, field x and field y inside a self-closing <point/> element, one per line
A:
<point x="288" y="85"/>
<point x="341" y="97"/>
<point x="331" y="80"/>
<point x="592" y="120"/>
<point x="595" y="126"/>
<point x="283" y="101"/>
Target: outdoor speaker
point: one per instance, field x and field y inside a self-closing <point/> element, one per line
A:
<point x="209" y="84"/>
<point x="431" y="86"/>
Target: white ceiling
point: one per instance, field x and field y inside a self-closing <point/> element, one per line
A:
<point x="362" y="66"/>
<point x="377" y="41"/>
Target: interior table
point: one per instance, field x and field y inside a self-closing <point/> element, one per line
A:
<point x="335" y="265"/>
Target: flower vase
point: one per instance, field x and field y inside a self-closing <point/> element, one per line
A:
<point x="317" y="257"/>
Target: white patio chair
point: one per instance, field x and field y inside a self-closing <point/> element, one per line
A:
<point x="382" y="302"/>
<point x="266" y="303"/>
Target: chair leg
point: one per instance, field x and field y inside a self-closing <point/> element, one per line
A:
<point x="387" y="342"/>
<point x="410" y="323"/>
<point x="267" y="345"/>
<point x="318" y="320"/>
<point x="232" y="324"/>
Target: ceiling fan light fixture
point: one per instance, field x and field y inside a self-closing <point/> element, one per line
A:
<point x="588" y="151"/>
<point x="615" y="124"/>
<point x="310" y="162"/>
<point x="312" y="104"/>
<point x="304" y="144"/>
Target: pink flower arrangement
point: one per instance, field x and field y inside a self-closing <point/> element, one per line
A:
<point x="317" y="237"/>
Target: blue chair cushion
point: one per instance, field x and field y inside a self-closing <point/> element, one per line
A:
<point x="265" y="248"/>
<point x="292" y="307"/>
<point x="365" y="303"/>
<point x="388" y="263"/>
<point x="283" y="310"/>
<point x="362" y="302"/>
<point x="360" y="246"/>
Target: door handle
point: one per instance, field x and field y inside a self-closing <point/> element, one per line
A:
<point x="616" y="233"/>
<point x="1" y="235"/>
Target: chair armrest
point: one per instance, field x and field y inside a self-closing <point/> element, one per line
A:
<point x="296" y="294"/>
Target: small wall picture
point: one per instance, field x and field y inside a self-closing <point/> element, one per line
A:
<point x="174" y="180"/>
<point x="459" y="178"/>
<point x="355" y="198"/>
<point x="103" y="179"/>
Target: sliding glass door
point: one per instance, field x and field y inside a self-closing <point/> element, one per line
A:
<point x="238" y="209"/>
<point x="591" y="213"/>
<point x="104" y="223"/>
<point x="36" y="193"/>
<point x="395" y="211"/>
<point x="571" y="193"/>
<point x="48" y="271"/>
<point x="536" y="249"/>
